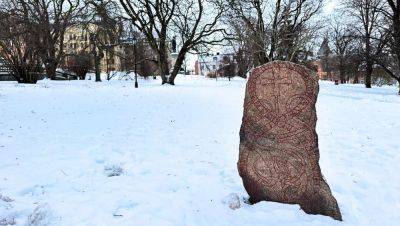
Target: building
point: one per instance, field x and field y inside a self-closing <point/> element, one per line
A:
<point x="77" y="41"/>
<point x="114" y="57"/>
<point x="322" y="72"/>
<point x="214" y="65"/>
<point x="323" y="62"/>
<point x="327" y="66"/>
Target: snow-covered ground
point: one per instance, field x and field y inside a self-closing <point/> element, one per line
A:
<point x="85" y="153"/>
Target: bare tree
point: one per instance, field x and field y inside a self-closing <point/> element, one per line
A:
<point x="18" y="47"/>
<point x="197" y="27"/>
<point x="342" y="36"/>
<point x="276" y="30"/>
<point x="243" y="60"/>
<point x="247" y="21"/>
<point x="390" y="57"/>
<point x="105" y="27"/>
<point x="241" y="45"/>
<point x="157" y="19"/>
<point x="96" y="55"/>
<point x="50" y="18"/>
<point x="153" y="18"/>
<point x="368" y="20"/>
<point x="115" y="36"/>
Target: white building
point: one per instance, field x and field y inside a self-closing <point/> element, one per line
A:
<point x="209" y="64"/>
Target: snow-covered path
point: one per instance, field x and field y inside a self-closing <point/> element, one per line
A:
<point x="177" y="148"/>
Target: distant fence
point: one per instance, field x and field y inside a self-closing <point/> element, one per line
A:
<point x="65" y="76"/>
<point x="6" y="77"/>
<point x="5" y="73"/>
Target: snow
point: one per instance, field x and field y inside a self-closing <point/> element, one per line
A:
<point x="86" y="153"/>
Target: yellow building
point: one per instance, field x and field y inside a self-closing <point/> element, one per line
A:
<point x="77" y="41"/>
<point x="114" y="57"/>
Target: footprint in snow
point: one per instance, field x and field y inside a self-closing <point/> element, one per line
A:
<point x="232" y="200"/>
<point x="113" y="170"/>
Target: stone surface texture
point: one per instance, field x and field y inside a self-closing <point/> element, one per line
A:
<point x="279" y="153"/>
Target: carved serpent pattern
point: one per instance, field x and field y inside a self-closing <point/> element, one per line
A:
<point x="279" y="146"/>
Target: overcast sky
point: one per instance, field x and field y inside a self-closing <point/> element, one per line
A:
<point x="330" y="5"/>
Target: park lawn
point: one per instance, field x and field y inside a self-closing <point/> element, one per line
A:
<point x="83" y="153"/>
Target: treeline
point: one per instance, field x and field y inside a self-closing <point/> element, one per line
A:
<point x="367" y="36"/>
<point x="32" y="38"/>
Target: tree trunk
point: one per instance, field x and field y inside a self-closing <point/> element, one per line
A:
<point x="368" y="74"/>
<point x="96" y="56"/>
<point x="108" y="73"/>
<point x="368" y="60"/>
<point x="356" y="81"/>
<point x="177" y="66"/>
<point x="396" y="34"/>
<point x="259" y="54"/>
<point x="97" y="72"/>
<point x="274" y="30"/>
<point x="342" y="78"/>
<point x="51" y="71"/>
<point x="342" y="75"/>
<point x="97" y="68"/>
<point x="163" y="66"/>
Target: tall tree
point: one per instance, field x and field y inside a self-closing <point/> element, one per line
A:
<point x="153" y="18"/>
<point x="249" y="16"/>
<point x="105" y="27"/>
<point x="159" y="19"/>
<point x="342" y="37"/>
<point x="390" y="59"/>
<point x="368" y="17"/>
<point x="51" y="19"/>
<point x="197" y="27"/>
<point x="277" y="29"/>
<point x="18" y="47"/>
